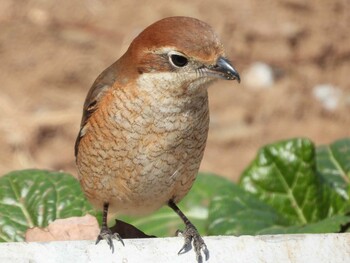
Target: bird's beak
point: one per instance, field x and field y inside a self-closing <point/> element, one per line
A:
<point x="223" y="69"/>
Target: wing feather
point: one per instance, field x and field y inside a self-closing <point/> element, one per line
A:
<point x="103" y="83"/>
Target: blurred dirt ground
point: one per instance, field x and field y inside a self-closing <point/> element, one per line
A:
<point x="52" y="51"/>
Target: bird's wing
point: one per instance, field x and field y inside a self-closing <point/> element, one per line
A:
<point x="103" y="82"/>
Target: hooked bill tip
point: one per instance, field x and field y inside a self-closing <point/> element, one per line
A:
<point x="224" y="66"/>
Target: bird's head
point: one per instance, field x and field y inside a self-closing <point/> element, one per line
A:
<point x="178" y="55"/>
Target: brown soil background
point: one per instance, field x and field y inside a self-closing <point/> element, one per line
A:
<point x="52" y="51"/>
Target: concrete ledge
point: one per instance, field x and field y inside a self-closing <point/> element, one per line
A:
<point x="323" y="248"/>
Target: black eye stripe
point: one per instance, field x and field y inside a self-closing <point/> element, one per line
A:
<point x="179" y="61"/>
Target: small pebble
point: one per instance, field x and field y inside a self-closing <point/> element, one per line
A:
<point x="38" y="16"/>
<point x="328" y="95"/>
<point x="259" y="75"/>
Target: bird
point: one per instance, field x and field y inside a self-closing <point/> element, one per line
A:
<point x="145" y="124"/>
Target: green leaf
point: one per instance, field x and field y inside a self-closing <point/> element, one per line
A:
<point x="165" y="221"/>
<point x="283" y="192"/>
<point x="329" y="225"/>
<point x="333" y="165"/>
<point x="284" y="176"/>
<point x="237" y="212"/>
<point x="333" y="170"/>
<point x="35" y="198"/>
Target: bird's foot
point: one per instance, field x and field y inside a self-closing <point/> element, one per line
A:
<point x="108" y="235"/>
<point x="191" y="233"/>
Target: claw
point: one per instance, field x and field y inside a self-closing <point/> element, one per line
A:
<point x="191" y="234"/>
<point x="206" y="252"/>
<point x="187" y="246"/>
<point x="118" y="237"/>
<point x="106" y="234"/>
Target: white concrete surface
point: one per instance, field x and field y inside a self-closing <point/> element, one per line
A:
<point x="324" y="248"/>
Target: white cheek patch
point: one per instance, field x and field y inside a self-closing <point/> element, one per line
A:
<point x="166" y="93"/>
<point x="157" y="81"/>
<point x="171" y="83"/>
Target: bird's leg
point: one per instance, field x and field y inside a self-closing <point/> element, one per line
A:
<point x="105" y="232"/>
<point x="190" y="233"/>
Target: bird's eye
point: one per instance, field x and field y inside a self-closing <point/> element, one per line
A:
<point x="178" y="60"/>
